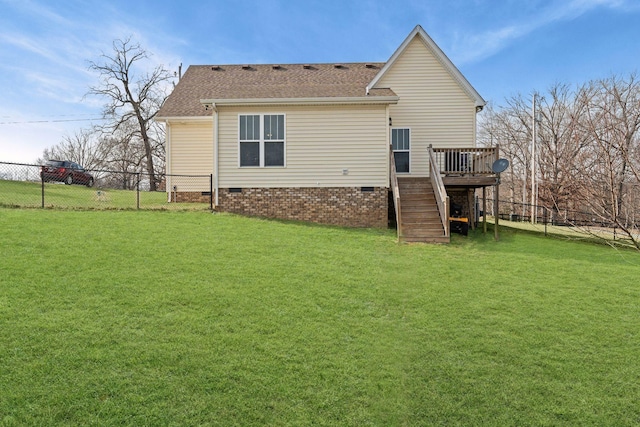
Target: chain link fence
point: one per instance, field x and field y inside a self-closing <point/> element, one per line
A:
<point x="564" y="222"/>
<point x="38" y="186"/>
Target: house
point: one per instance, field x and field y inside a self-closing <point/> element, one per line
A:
<point x="347" y="143"/>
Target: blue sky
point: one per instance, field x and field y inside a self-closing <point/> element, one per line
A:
<point x="503" y="47"/>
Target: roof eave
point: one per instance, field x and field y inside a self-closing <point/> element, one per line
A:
<point x="303" y="101"/>
<point x="167" y="119"/>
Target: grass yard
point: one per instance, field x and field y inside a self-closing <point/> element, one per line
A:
<point x="587" y="234"/>
<point x="189" y="318"/>
<point x="58" y="195"/>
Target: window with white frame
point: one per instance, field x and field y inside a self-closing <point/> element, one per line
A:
<point x="400" y="143"/>
<point x="262" y="139"/>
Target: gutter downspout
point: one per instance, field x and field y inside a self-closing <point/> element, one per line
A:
<point x="167" y="182"/>
<point x="216" y="163"/>
<point x="388" y="137"/>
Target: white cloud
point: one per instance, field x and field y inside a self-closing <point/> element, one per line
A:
<point x="476" y="47"/>
<point x="24" y="43"/>
<point x="44" y="68"/>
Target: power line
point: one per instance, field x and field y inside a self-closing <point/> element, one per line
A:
<point x="50" y="121"/>
<point x="75" y="115"/>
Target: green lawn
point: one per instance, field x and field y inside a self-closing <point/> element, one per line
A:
<point x="58" y="195"/>
<point x="190" y="318"/>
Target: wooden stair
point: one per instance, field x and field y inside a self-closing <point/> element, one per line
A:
<point x="420" y="218"/>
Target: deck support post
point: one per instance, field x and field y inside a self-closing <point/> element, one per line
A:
<point x="496" y="201"/>
<point x="484" y="210"/>
<point x="472" y="209"/>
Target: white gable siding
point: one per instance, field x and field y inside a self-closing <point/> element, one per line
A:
<point x="321" y="141"/>
<point x="432" y="103"/>
<point x="190" y="152"/>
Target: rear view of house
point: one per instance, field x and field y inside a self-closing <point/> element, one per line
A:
<point x="329" y="143"/>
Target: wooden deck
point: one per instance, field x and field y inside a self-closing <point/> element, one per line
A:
<point x="467" y="167"/>
<point x="418" y="207"/>
<point x="470" y="181"/>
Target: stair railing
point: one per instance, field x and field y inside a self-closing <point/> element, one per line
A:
<point x="393" y="178"/>
<point x="442" y="199"/>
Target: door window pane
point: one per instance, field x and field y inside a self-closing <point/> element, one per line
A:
<point x="400" y="139"/>
<point x="402" y="161"/>
<point x="395" y="139"/>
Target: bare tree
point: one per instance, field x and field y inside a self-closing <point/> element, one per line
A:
<point x="560" y="144"/>
<point x="133" y="99"/>
<point x="611" y="174"/>
<point x="82" y="147"/>
<point x="124" y="157"/>
<point x="588" y="152"/>
<point x="510" y="128"/>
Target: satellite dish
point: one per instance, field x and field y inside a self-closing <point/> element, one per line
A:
<point x="500" y="165"/>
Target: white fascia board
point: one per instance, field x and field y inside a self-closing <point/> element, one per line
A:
<point x="363" y="100"/>
<point x="185" y="119"/>
<point x="440" y="55"/>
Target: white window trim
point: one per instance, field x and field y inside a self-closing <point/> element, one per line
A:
<point x="402" y="151"/>
<point x="262" y="140"/>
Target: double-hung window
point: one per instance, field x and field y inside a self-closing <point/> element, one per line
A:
<point x="400" y="142"/>
<point x="262" y="139"/>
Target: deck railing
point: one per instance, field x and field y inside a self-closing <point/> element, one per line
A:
<point x="465" y="161"/>
<point x="396" y="191"/>
<point x="439" y="191"/>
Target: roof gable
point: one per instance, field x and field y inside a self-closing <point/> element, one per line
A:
<point x="418" y="31"/>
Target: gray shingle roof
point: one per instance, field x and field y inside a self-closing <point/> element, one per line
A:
<point x="269" y="81"/>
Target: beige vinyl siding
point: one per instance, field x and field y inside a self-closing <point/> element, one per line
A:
<point x="321" y="141"/>
<point x="432" y="104"/>
<point x="190" y="153"/>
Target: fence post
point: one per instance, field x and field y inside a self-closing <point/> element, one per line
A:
<point x="544" y="210"/>
<point x="42" y="191"/>
<point x="138" y="190"/>
<point x="211" y="192"/>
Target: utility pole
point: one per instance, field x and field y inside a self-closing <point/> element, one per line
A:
<point x="533" y="162"/>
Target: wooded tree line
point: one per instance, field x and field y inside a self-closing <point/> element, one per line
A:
<point x="128" y="141"/>
<point x="587" y="154"/>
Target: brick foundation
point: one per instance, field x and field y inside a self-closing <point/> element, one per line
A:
<point x="189" y="197"/>
<point x="349" y="206"/>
